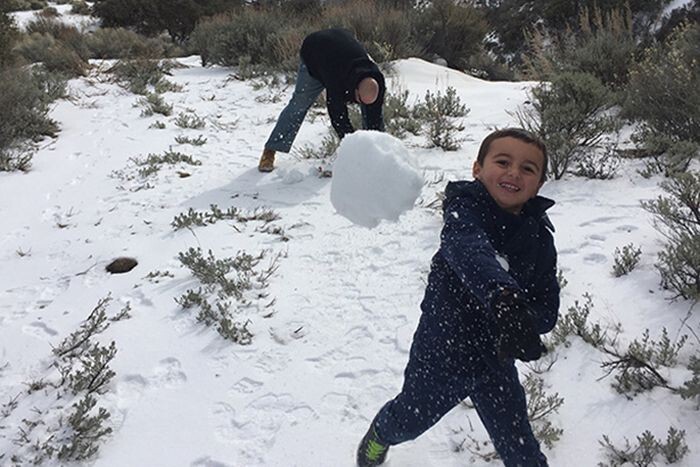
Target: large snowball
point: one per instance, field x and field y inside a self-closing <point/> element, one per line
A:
<point x="374" y="178"/>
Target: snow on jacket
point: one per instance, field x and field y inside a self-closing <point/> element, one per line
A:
<point x="483" y="250"/>
<point x="340" y="62"/>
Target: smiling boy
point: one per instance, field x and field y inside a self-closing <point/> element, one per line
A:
<point x="492" y="290"/>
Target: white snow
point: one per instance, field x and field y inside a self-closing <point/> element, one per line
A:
<point x="81" y="22"/>
<point x="374" y="178"/>
<point x="333" y="330"/>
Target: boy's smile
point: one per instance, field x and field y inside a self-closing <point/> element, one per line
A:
<point x="511" y="172"/>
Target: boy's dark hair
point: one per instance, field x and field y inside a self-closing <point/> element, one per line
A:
<point x="517" y="133"/>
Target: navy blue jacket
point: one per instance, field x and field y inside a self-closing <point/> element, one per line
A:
<point x="340" y="62"/>
<point x="467" y="273"/>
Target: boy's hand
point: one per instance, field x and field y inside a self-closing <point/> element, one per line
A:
<point x="517" y="336"/>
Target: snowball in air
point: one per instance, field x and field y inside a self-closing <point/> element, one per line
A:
<point x="374" y="178"/>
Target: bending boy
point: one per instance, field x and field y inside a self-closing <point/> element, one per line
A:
<point x="492" y="290"/>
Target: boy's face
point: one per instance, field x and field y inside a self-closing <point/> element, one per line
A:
<point x="511" y="172"/>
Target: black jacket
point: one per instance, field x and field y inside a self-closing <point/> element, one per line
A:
<point x="469" y="270"/>
<point x="340" y="62"/>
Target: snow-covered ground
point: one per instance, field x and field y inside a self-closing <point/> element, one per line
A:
<point x="82" y="22"/>
<point x="333" y="329"/>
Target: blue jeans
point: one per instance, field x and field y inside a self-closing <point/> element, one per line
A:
<point x="306" y="91"/>
<point x="430" y="391"/>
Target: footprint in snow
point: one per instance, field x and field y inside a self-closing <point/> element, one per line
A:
<point x="39" y="330"/>
<point x="208" y="462"/>
<point x="245" y="386"/>
<point x="595" y="258"/>
<point x="260" y="420"/>
<point x="169" y="373"/>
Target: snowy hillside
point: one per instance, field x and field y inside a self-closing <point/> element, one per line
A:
<point x="333" y="305"/>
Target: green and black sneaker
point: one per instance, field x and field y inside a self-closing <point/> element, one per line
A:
<point x="371" y="451"/>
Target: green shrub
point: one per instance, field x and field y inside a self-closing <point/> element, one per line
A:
<point x="440" y="113"/>
<point x="399" y="117"/>
<point x="55" y="56"/>
<point x="510" y="18"/>
<point x="8" y="37"/>
<point x="49" y="12"/>
<point x="248" y="36"/>
<point x="451" y="30"/>
<point x="385" y="30"/>
<point x="691" y="388"/>
<point x="571" y="114"/>
<point x="79" y="7"/>
<point x="122" y="43"/>
<point x="677" y="217"/>
<point x="24" y="5"/>
<point x="686" y="14"/>
<point x="603" y="46"/>
<point x="224" y="280"/>
<point x="58" y="46"/>
<point x="139" y="74"/>
<point x="647" y="448"/>
<point x="598" y="165"/>
<point x="664" y="98"/>
<point x="154" y="103"/>
<point x="25" y="99"/>
<point x="626" y="260"/>
<point x="190" y="120"/>
<point x="151" y="17"/>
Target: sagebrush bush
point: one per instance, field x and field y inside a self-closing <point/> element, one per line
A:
<point x="664" y="98"/>
<point x="250" y="36"/>
<point x="329" y="144"/>
<point x="440" y="113"/>
<point x="8" y="37"/>
<point x="190" y="120"/>
<point x="138" y="75"/>
<point x="23" y="5"/>
<point x="510" y="18"/>
<point x="64" y="33"/>
<point x="603" y="45"/>
<point x="154" y="103"/>
<point x="647" y="448"/>
<point x="25" y="97"/>
<point x="86" y="431"/>
<point x="122" y="43"/>
<point x="636" y="368"/>
<point x="626" y="259"/>
<point x="79" y="7"/>
<point x="59" y="47"/>
<point x="451" y="30"/>
<point x="399" y="117"/>
<point x="598" y="165"/>
<point x="691" y="388"/>
<point x="571" y="114"/>
<point x="387" y="32"/>
<point x="151" y="17"/>
<point x="677" y="217"/>
<point x="49" y="12"/>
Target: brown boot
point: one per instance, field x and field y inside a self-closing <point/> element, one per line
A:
<point x="267" y="161"/>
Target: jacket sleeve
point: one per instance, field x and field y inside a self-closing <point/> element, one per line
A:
<point x="338" y="112"/>
<point x="544" y="299"/>
<point x="375" y="118"/>
<point x="469" y="253"/>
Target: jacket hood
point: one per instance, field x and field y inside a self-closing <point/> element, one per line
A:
<point x="535" y="207"/>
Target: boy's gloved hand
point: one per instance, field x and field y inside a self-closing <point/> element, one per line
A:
<point x="517" y="336"/>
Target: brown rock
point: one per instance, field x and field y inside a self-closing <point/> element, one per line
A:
<point x="121" y="265"/>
